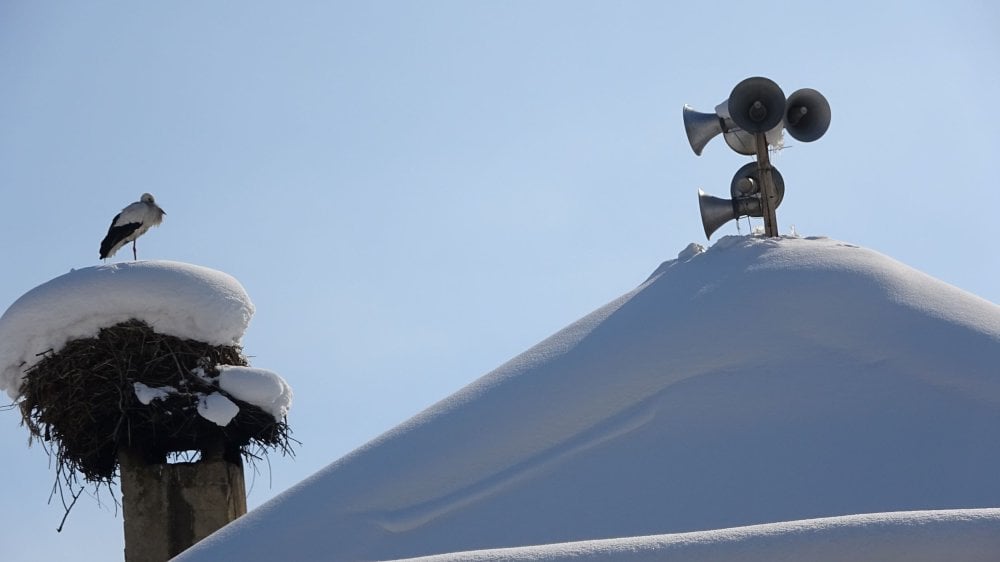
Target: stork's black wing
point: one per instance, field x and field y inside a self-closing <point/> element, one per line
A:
<point x="117" y="234"/>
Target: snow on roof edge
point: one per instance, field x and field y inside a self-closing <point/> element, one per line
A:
<point x="961" y="534"/>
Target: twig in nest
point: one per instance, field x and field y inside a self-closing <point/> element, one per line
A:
<point x="76" y="496"/>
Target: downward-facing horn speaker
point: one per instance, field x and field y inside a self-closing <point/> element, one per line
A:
<point x="807" y="115"/>
<point x="757" y="105"/>
<point x="701" y="128"/>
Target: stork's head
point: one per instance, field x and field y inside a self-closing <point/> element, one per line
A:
<point x="147" y="198"/>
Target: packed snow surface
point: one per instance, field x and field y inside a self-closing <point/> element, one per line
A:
<point x="175" y="299"/>
<point x="759" y="381"/>
<point x="971" y="535"/>
<point x="259" y="387"/>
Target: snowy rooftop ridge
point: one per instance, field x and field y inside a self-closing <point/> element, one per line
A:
<point x="175" y="299"/>
<point x="759" y="381"/>
<point x="968" y="535"/>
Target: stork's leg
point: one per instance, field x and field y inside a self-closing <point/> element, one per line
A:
<point x="134" y="257"/>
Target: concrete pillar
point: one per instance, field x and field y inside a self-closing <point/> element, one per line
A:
<point x="169" y="507"/>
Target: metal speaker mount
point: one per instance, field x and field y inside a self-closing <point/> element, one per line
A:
<point x="807" y="115"/>
<point x="701" y="128"/>
<point x="757" y="105"/>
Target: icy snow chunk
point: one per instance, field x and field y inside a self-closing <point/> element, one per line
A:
<point x="175" y="299"/>
<point x="692" y="250"/>
<point x="259" y="387"/>
<point x="217" y="408"/>
<point x="147" y="394"/>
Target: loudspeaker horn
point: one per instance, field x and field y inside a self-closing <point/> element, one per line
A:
<point x="716" y="211"/>
<point x="741" y="141"/>
<point x="701" y="128"/>
<point x="807" y="115"/>
<point x="745" y="190"/>
<point x="746" y="143"/>
<point x="747" y="182"/>
<point x="757" y="105"/>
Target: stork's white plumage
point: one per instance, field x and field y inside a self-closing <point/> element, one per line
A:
<point x="130" y="224"/>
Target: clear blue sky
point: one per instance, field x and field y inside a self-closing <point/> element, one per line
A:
<point x="413" y="193"/>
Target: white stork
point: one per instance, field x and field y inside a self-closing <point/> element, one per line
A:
<point x="130" y="224"/>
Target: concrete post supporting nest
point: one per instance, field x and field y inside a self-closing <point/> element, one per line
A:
<point x="169" y="507"/>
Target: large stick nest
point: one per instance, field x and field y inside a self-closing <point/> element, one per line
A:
<point x="82" y="402"/>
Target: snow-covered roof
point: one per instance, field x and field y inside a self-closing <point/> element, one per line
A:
<point x="969" y="535"/>
<point x="760" y="381"/>
<point x="175" y="299"/>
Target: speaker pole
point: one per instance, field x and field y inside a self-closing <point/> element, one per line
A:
<point x="769" y="194"/>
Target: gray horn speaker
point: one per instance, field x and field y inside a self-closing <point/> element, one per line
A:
<point x="741" y="141"/>
<point x="747" y="182"/>
<point x="807" y="115"/>
<point x="757" y="105"/>
<point x="745" y="190"/>
<point x="716" y="211"/>
<point x="701" y="128"/>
